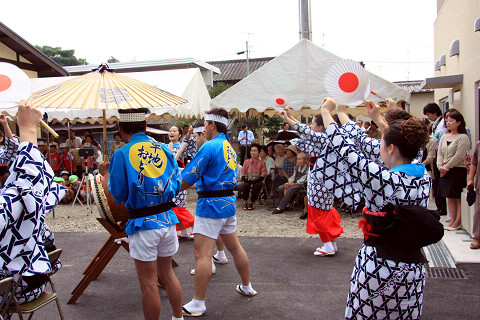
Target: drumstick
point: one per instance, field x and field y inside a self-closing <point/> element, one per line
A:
<point x="47" y="127"/>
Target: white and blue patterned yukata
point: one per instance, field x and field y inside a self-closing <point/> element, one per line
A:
<point x="383" y="288"/>
<point x="329" y="172"/>
<point x="189" y="151"/>
<point x="144" y="173"/>
<point x="27" y="197"/>
<point x="214" y="168"/>
<point x="8" y="152"/>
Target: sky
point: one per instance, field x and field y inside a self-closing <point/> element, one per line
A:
<point x="394" y="38"/>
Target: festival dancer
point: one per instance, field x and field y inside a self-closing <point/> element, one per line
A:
<point x="145" y="177"/>
<point x="385" y="256"/>
<point x="213" y="169"/>
<point x="182" y="150"/>
<point x="26" y="198"/>
<point x="323" y="218"/>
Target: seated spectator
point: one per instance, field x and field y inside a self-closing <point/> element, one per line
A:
<point x="253" y="172"/>
<point x="118" y="142"/>
<point x="289" y="162"/>
<point x="270" y="166"/>
<point x="69" y="196"/>
<point x="294" y="183"/>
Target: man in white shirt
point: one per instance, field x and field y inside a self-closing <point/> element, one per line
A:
<point x="245" y="137"/>
<point x="74" y="142"/>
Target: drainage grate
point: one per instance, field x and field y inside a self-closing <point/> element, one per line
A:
<point x="438" y="256"/>
<point x="446" y="273"/>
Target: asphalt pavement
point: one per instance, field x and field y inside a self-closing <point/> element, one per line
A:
<point x="291" y="282"/>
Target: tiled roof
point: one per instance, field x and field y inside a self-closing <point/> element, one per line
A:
<point x="414" y="86"/>
<point x="236" y="70"/>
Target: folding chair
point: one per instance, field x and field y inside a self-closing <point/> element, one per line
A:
<point x="44" y="299"/>
<point x="5" y="288"/>
<point x="299" y="196"/>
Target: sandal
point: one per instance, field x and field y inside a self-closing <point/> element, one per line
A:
<point x="245" y="206"/>
<point x="191" y="314"/>
<point x="250" y="206"/>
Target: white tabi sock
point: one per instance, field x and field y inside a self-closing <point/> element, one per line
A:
<point x="220" y="255"/>
<point x="328" y="247"/>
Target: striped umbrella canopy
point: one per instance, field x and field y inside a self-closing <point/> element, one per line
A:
<point x="104" y="89"/>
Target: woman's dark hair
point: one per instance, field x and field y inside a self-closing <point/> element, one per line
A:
<point x="264" y="148"/>
<point x="456" y="115"/>
<point x="397" y="114"/>
<point x="409" y="136"/>
<point x="219" y="112"/>
<point x="432" y="108"/>
<point x="89" y="136"/>
<point x="318" y="119"/>
<point x="256" y="145"/>
<point x="117" y="134"/>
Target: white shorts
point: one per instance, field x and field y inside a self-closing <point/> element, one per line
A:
<point x="213" y="227"/>
<point x="147" y="245"/>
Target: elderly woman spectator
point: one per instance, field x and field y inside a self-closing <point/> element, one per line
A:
<point x="118" y="142"/>
<point x="294" y="183"/>
<point x="253" y="172"/>
<point x="289" y="162"/>
<point x="279" y="155"/>
<point x="452" y="150"/>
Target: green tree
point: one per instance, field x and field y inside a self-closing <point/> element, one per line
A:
<point x="112" y="59"/>
<point x="217" y="89"/>
<point x="60" y="56"/>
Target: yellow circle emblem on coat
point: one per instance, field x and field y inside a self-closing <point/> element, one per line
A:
<point x="229" y="155"/>
<point x="148" y="159"/>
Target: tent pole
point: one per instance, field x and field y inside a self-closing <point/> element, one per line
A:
<point x="104" y="133"/>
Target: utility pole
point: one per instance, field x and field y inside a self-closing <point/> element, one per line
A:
<point x="305" y="25"/>
<point x="248" y="62"/>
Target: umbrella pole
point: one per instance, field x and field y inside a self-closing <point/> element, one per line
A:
<point x="104" y="133"/>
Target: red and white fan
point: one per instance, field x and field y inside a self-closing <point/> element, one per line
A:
<point x="347" y="82"/>
<point x="14" y="86"/>
<point x="280" y="101"/>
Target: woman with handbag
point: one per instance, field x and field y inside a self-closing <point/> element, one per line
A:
<point x="253" y="172"/>
<point x="373" y="294"/>
<point x="452" y="148"/>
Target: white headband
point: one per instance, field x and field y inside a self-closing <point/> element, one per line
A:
<point x="199" y="129"/>
<point x="216" y="118"/>
<point x="132" y="117"/>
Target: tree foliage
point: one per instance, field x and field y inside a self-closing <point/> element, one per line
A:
<point x="112" y="59"/>
<point x="217" y="89"/>
<point x="61" y="56"/>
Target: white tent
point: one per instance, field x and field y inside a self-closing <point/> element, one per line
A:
<point x="297" y="75"/>
<point x="185" y="83"/>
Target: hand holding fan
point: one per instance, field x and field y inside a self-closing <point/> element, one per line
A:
<point x="15" y="86"/>
<point x="347" y="81"/>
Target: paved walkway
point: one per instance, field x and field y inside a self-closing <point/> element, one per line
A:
<point x="291" y="281"/>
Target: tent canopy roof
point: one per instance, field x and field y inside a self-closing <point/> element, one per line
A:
<point x="297" y="75"/>
<point x="185" y="83"/>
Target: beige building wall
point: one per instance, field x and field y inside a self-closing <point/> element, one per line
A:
<point x="418" y="101"/>
<point x="456" y="20"/>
